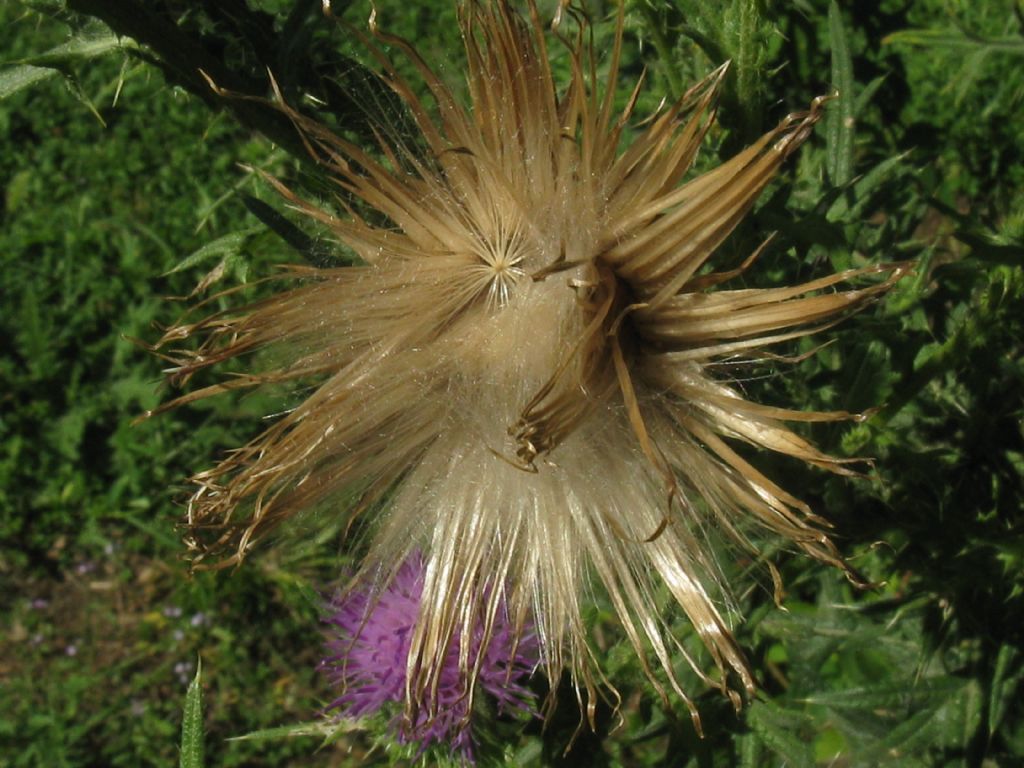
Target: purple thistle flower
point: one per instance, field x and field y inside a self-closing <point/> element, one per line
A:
<point x="368" y="649"/>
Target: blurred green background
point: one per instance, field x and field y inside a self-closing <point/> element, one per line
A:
<point x="123" y="187"/>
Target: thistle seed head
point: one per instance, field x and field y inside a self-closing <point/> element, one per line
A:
<point x="526" y="363"/>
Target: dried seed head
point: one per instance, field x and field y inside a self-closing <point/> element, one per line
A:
<point x="525" y="360"/>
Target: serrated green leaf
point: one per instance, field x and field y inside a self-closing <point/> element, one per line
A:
<point x="192" y="723"/>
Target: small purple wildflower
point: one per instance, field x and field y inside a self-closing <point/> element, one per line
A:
<point x="368" y="646"/>
<point x="183" y="669"/>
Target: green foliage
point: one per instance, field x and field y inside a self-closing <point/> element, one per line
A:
<point x="840" y="120"/>
<point x="192" y="738"/>
<point x="90" y="42"/>
<point x="122" y="185"/>
<point x="738" y="31"/>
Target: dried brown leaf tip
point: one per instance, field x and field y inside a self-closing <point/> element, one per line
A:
<point x="527" y="362"/>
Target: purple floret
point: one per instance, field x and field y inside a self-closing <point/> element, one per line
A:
<point x="368" y="645"/>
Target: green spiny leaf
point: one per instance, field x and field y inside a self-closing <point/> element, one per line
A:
<point x="14" y="79"/>
<point x="230" y="244"/>
<point x="325" y="729"/>
<point x="96" y="41"/>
